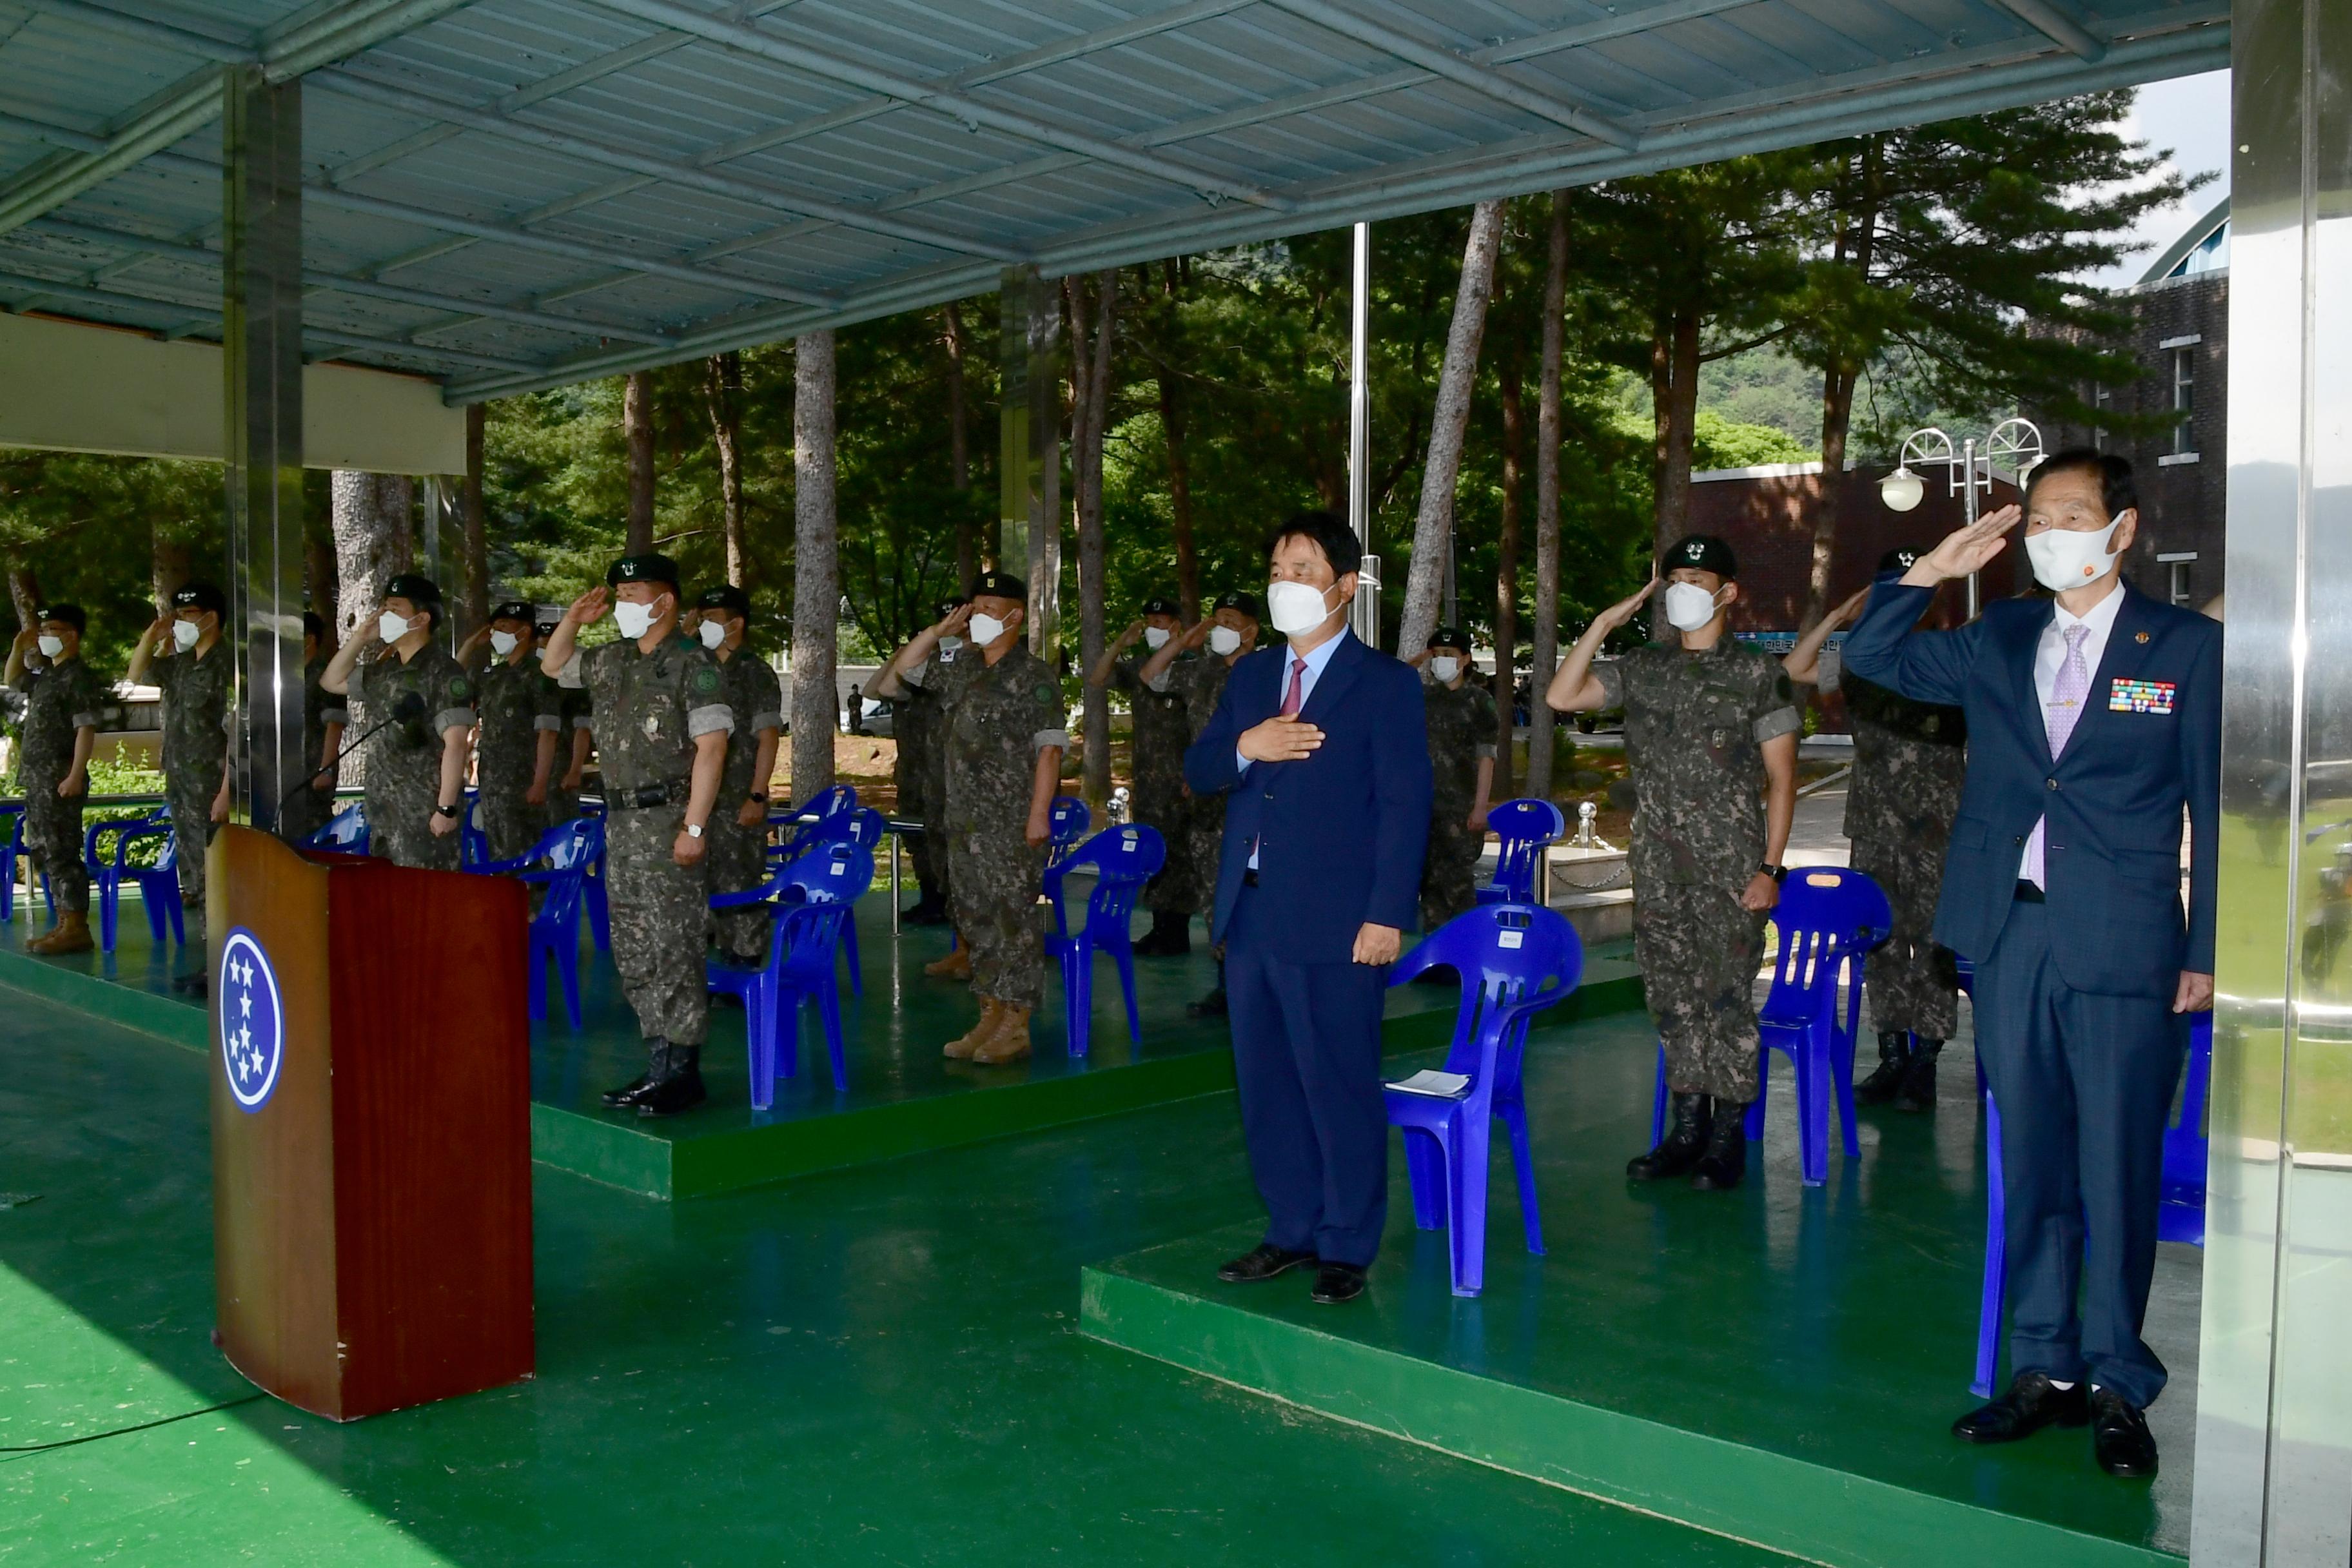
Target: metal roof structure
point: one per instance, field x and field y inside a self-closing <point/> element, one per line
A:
<point x="512" y="195"/>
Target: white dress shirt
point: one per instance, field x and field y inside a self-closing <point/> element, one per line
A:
<point x="2049" y="657"/>
<point x="1317" y="658"/>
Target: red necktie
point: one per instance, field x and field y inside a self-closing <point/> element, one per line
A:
<point x="1295" y="698"/>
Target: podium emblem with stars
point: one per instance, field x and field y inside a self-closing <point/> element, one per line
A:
<point x="252" y="1023"/>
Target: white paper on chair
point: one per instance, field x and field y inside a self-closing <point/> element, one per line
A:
<point x="1436" y="1084"/>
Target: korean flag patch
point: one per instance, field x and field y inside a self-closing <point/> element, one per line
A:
<point x="2140" y="696"/>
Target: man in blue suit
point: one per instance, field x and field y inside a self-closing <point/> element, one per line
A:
<point x="2093" y="721"/>
<point x="1319" y="748"/>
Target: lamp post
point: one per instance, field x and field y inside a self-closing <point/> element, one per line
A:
<point x="2014" y="443"/>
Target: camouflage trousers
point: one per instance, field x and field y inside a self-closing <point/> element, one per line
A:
<point x="1449" y="877"/>
<point x="53" y="838"/>
<point x="660" y="913"/>
<point x="993" y="879"/>
<point x="509" y="824"/>
<point x="1699" y="952"/>
<point x="1912" y="979"/>
<point x="306" y="811"/>
<point x="399" y="800"/>
<point x="1204" y="847"/>
<point x="1166" y="812"/>
<point x="192" y="832"/>
<point x="739" y="862"/>
<point x="928" y="849"/>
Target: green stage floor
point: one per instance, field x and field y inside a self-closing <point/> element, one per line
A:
<point x="872" y="1366"/>
<point x="1779" y="1365"/>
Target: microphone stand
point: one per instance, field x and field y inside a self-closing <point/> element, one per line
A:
<point x="407" y="708"/>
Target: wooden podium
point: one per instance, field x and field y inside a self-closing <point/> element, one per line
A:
<point x="371" y="1117"/>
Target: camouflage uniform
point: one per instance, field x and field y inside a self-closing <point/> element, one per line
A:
<point x="403" y="764"/>
<point x="650" y="708"/>
<point x="1695" y="728"/>
<point x="739" y="854"/>
<point x="919" y="723"/>
<point x="517" y="703"/>
<point x="195" y="759"/>
<point x="1000" y="716"/>
<point x="59" y="701"/>
<point x="572" y="711"/>
<point x="308" y="809"/>
<point x="1202" y="682"/>
<point x="1461" y="735"/>
<point x="1909" y="759"/>
<point x="1163" y="728"/>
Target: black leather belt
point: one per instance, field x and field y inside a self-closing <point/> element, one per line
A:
<point x="650" y="797"/>
<point x="2027" y="893"/>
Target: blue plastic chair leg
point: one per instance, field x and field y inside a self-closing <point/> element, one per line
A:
<point x="1425" y="1163"/>
<point x="1080" y="992"/>
<point x="1658" y="1101"/>
<point x="1124" y="957"/>
<point x="567" y="968"/>
<point x="849" y="951"/>
<point x="1813" y="1106"/>
<point x="1523" y="1161"/>
<point x="829" y="1007"/>
<point x="1841" y="1084"/>
<point x="107" y="895"/>
<point x="538" y="981"/>
<point x="1466" y="1196"/>
<point x="1996" y="1258"/>
<point x="600" y="910"/>
<point x="155" y="907"/>
<point x="172" y="903"/>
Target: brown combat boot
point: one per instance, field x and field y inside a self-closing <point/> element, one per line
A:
<point x="956" y="965"/>
<point x="962" y="1046"/>
<point x="71" y="934"/>
<point x="1008" y="1042"/>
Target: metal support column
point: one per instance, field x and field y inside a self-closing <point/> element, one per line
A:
<point x="1364" y="617"/>
<point x="261" y="341"/>
<point x="1029" y="462"/>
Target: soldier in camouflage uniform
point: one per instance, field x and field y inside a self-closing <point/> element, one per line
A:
<point x="739" y="828"/>
<point x="1461" y="715"/>
<point x="1162" y="728"/>
<point x="415" y="791"/>
<point x="574" y="739"/>
<point x="196" y="674"/>
<point x="1710" y="729"/>
<point x="62" y="698"/>
<point x="309" y="805"/>
<point x="920" y="770"/>
<point x="662" y="722"/>
<point x="1006" y="738"/>
<point x="1229" y="634"/>
<point x="519" y="725"/>
<point x="1909" y="759"/>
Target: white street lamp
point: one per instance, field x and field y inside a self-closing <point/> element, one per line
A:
<point x="2015" y="444"/>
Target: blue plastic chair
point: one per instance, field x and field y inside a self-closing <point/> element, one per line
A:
<point x="816" y="820"/>
<point x="1828" y="918"/>
<point x="1124" y="858"/>
<point x="159" y="885"/>
<point x="346" y="831"/>
<point x="814" y="896"/>
<point x="12" y="848"/>
<point x="1515" y="961"/>
<point x="559" y="863"/>
<point x="473" y="844"/>
<point x="1066" y="821"/>
<point x="1527" y="828"/>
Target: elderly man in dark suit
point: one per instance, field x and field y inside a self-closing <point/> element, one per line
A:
<point x="1318" y="746"/>
<point x="2094" y="719"/>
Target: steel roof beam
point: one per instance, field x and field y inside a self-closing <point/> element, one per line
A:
<point x="2056" y="26"/>
<point x="938" y="97"/>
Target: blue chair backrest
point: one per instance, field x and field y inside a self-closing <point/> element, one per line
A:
<point x="1827" y="915"/>
<point x="1527" y="828"/>
<point x="348" y="825"/>
<point x="836" y="871"/>
<point x="1124" y="858"/>
<point x="863" y="828"/>
<point x="1515" y="960"/>
<point x="1067" y="821"/>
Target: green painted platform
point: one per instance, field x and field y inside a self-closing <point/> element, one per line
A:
<point x="1779" y="1365"/>
<point x="903" y="1096"/>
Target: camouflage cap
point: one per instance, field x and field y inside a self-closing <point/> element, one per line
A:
<point x="1701" y="552"/>
<point x="71" y="615"/>
<point x="1000" y="585"/>
<point x="650" y="567"/>
<point x="1450" y="636"/>
<point x="200" y="596"/>
<point x="521" y="610"/>
<point x="1237" y="600"/>
<point x="725" y="597"/>
<point x="1160" y="606"/>
<point x="1902" y="557"/>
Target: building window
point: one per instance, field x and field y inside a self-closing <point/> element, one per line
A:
<point x="2180" y="594"/>
<point x="2184" y="399"/>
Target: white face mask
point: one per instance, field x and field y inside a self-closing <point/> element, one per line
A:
<point x="184" y="635"/>
<point x="1296" y="608"/>
<point x="391" y="627"/>
<point x="1155" y="638"/>
<point x="635" y="619"/>
<point x="712" y="633"/>
<point x="2065" y="558"/>
<point x="949" y="644"/>
<point x="1224" y="641"/>
<point x="503" y="643"/>
<point x="986" y="629"/>
<point x="1445" y="669"/>
<point x="1689" y="606"/>
<point x="51" y="646"/>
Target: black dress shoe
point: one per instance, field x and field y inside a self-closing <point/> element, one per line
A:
<point x="1338" y="1282"/>
<point x="1212" y="1005"/>
<point x="1684" y="1141"/>
<point x="2120" y="1439"/>
<point x="2032" y="1402"/>
<point x="1264" y="1261"/>
<point x="1894" y="1061"/>
<point x="678" y="1090"/>
<point x="1725" y="1161"/>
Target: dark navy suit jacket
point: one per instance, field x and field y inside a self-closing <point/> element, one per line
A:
<point x="1341" y="833"/>
<point x="2113" y="797"/>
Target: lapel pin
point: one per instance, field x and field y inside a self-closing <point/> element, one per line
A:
<point x="2139" y="637"/>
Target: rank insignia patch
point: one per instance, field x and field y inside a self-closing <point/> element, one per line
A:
<point x="2140" y="696"/>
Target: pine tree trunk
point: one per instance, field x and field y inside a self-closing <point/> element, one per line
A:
<point x="318" y="574"/>
<point x="25" y="596"/>
<point x="1837" y="416"/>
<point x="1090" y="406"/>
<point x="723" y="385"/>
<point x="1674" y="385"/>
<point x="1506" y="573"/>
<point x="1547" y="631"/>
<point x="637" y="433"/>
<point x="816" y="565"/>
<point x="1179" y="458"/>
<point x="967" y="527"/>
<point x="167" y="567"/>
<point x="477" y="537"/>
<point x="374" y="520"/>
<point x="1434" y="527"/>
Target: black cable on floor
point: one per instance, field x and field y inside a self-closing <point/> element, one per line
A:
<point x="120" y="1431"/>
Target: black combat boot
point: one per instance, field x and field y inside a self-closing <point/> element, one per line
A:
<point x="1172" y="934"/>
<point x="679" y="1088"/>
<point x="931" y="909"/>
<point x="1919" y="1091"/>
<point x="1726" y="1160"/>
<point x="1212" y="1005"/>
<point x="629" y="1093"/>
<point x="1894" y="1061"/>
<point x="1686" y="1140"/>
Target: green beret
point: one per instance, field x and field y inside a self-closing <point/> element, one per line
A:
<point x="652" y="566"/>
<point x="1702" y="552"/>
<point x="1237" y="600"/>
<point x="725" y="597"/>
<point x="521" y="610"/>
<point x="71" y="615"/>
<point x="201" y="597"/>
<point x="1000" y="585"/>
<point x="1450" y="636"/>
<point x="415" y="587"/>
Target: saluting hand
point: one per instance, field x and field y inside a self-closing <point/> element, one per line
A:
<point x="1280" y="740"/>
<point x="1965" y="549"/>
<point x="589" y="608"/>
<point x="952" y="624"/>
<point x="1851" y="610"/>
<point x="1134" y="630"/>
<point x="1618" y="614"/>
<point x="1196" y="634"/>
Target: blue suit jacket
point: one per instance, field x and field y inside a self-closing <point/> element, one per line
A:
<point x="2113" y="797"/>
<point x="1340" y="833"/>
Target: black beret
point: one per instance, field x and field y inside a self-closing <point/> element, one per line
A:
<point x="200" y="596"/>
<point x="1902" y="557"/>
<point x="1450" y="636"/>
<point x="650" y="567"/>
<point x="415" y="587"/>
<point x="312" y="624"/>
<point x="1000" y="585"/>
<point x="948" y="607"/>
<point x="71" y="615"/>
<point x="521" y="610"/>
<point x="547" y="625"/>
<point x="1702" y="553"/>
<point x="1161" y="607"/>
<point x="725" y="597"/>
<point x="1237" y="600"/>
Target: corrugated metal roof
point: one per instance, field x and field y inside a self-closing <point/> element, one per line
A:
<point x="512" y="194"/>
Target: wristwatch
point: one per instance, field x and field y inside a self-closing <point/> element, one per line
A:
<point x="439" y="810"/>
<point x="694" y="830"/>
<point x="1778" y="873"/>
<point x="761" y="796"/>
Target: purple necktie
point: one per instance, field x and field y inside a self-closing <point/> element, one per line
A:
<point x="2067" y="694"/>
<point x="1292" y="702"/>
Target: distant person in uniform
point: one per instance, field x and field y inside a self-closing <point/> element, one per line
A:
<point x="196" y="674"/>
<point x="739" y="827"/>
<point x="1005" y="738"/>
<point x="309" y="802"/>
<point x="1460" y="713"/>
<point x="1228" y="636"/>
<point x="416" y="788"/>
<point x="1711" y="742"/>
<point x="63" y="700"/>
<point x="920" y="770"/>
<point x="1908" y="761"/>
<point x="575" y="741"/>
<point x="662" y="722"/>
<point x="518" y="730"/>
<point x="1161" y="731"/>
